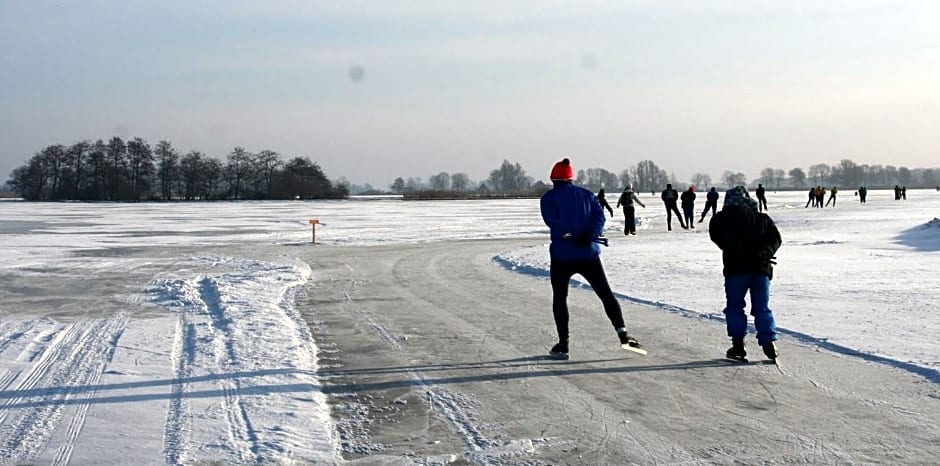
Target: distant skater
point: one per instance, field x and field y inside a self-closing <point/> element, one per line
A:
<point x="812" y="198"/>
<point x="748" y="240"/>
<point x="576" y="220"/>
<point x="832" y="196"/>
<point x="688" y="206"/>
<point x="761" y="197"/>
<point x="629" y="211"/>
<point x="903" y="193"/>
<point x="670" y="197"/>
<point x="711" y="202"/>
<point x="603" y="200"/>
<point x="862" y="194"/>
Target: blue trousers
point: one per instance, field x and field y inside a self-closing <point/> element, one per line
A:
<point x="736" y="286"/>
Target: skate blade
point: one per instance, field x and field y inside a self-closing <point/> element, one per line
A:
<point x="558" y="356"/>
<point x="634" y="349"/>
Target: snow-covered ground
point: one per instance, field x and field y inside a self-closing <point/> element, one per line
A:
<point x="211" y="348"/>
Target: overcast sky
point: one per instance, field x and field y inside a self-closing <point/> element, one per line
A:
<point x="373" y="89"/>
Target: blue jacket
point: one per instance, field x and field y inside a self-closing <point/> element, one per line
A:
<point x="570" y="209"/>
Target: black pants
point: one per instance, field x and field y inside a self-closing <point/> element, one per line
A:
<point x="709" y="205"/>
<point x="593" y="272"/>
<point x="761" y="204"/>
<point x="629" y="216"/>
<point x="670" y="208"/>
<point x="689" y="215"/>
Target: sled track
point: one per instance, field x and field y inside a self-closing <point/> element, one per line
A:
<point x="65" y="374"/>
<point x="225" y="325"/>
<point x="177" y="425"/>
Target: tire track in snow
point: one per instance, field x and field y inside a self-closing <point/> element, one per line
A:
<point x="242" y="436"/>
<point x="64" y="453"/>
<point x="239" y="338"/>
<point x="68" y="369"/>
<point x="7" y="339"/>
<point x="177" y="417"/>
<point x="240" y="432"/>
<point x="20" y="330"/>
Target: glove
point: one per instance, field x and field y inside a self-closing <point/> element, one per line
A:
<point x="766" y="255"/>
<point x="583" y="240"/>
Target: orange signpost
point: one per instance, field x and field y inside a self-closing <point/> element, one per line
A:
<point x="313" y="225"/>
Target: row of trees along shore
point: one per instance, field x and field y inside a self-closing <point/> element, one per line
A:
<point x="133" y="171"/>
<point x="511" y="180"/>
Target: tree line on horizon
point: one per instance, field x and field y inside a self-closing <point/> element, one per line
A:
<point x="647" y="176"/>
<point x="133" y="171"/>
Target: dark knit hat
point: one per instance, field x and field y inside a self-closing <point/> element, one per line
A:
<point x="738" y="196"/>
<point x="562" y="171"/>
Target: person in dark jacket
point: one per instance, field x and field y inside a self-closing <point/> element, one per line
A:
<point x="602" y="198"/>
<point x="576" y="220"/>
<point x="832" y="196"/>
<point x="862" y="194"/>
<point x="748" y="240"/>
<point x="688" y="206"/>
<point x="711" y="202"/>
<point x="627" y="199"/>
<point x="670" y="197"/>
<point x="761" y="197"/>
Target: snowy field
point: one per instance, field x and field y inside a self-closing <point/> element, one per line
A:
<point x="210" y="348"/>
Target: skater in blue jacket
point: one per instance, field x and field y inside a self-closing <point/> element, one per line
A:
<point x="576" y="220"/>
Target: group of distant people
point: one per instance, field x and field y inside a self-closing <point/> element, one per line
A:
<point x="746" y="236"/>
<point x="818" y="194"/>
<point x="900" y="193"/>
<point x="672" y="200"/>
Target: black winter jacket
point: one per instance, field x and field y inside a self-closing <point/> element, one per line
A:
<point x="748" y="240"/>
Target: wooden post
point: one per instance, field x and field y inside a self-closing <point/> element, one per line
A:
<point x="313" y="229"/>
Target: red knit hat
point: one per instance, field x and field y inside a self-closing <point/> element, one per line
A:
<point x="562" y="171"/>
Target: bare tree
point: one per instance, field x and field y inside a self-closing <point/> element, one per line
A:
<point x="266" y="165"/>
<point x="767" y="176"/>
<point x="648" y="176"/>
<point x="798" y="177"/>
<point x="701" y="180"/>
<point x="77" y="154"/>
<point x="460" y="182"/>
<point x="117" y="168"/>
<point x="779" y="176"/>
<point x="597" y="178"/>
<point x="168" y="161"/>
<point x="238" y="171"/>
<point x="140" y="169"/>
<point x="398" y="185"/>
<point x="820" y="173"/>
<point x="509" y="178"/>
<point x="439" y="182"/>
<point x="625" y="177"/>
<point x="732" y="179"/>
